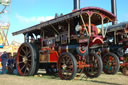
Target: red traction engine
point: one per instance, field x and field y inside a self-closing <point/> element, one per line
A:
<point x="65" y="44"/>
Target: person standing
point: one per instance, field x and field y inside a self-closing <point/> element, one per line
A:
<point x="10" y="64"/>
<point x="4" y="59"/>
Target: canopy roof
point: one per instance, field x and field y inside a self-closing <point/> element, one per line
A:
<point x="85" y="12"/>
<point x="117" y="27"/>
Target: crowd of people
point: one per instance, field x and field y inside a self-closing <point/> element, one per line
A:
<point x="8" y="63"/>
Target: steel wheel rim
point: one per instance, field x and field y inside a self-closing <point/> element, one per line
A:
<point x="65" y="67"/>
<point x="109" y="64"/>
<point x="24" y="60"/>
<point x="94" y="65"/>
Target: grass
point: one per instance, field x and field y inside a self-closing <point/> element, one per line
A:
<point x="104" y="79"/>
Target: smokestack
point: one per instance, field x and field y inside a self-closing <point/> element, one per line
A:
<point x="114" y="9"/>
<point x="76" y="4"/>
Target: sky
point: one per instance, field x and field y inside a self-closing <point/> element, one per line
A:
<point x="26" y="13"/>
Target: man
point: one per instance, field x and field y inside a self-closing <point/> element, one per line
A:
<point x="4" y="61"/>
<point x="10" y="65"/>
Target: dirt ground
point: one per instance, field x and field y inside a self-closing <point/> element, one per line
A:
<point x="104" y="79"/>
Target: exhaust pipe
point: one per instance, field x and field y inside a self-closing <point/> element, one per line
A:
<point x="114" y="9"/>
<point x="76" y="4"/>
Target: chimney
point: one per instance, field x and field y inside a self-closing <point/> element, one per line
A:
<point x="76" y="4"/>
<point x="114" y="9"/>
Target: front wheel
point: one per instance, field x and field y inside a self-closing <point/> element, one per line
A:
<point x="27" y="59"/>
<point x="111" y="63"/>
<point x="67" y="66"/>
<point x="96" y="66"/>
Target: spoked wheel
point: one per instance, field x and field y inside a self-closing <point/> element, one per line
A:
<point x="125" y="68"/>
<point x="96" y="66"/>
<point x="27" y="59"/>
<point x="111" y="63"/>
<point x="67" y="66"/>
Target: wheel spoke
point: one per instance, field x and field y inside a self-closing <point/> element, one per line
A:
<point x="67" y="62"/>
<point x="29" y="60"/>
<point x="23" y="51"/>
<point x="27" y="49"/>
<point x="21" y="55"/>
<point x="29" y="65"/>
<point x="23" y="67"/>
<point x="25" y="70"/>
<point x="20" y="62"/>
<point x="69" y="70"/>
<point x="29" y="56"/>
<point x="64" y="60"/>
<point x="29" y="52"/>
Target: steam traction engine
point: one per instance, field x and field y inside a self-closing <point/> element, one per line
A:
<point x="117" y="39"/>
<point x="114" y="51"/>
<point x="66" y="43"/>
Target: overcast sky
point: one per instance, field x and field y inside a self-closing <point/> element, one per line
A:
<point x="26" y="13"/>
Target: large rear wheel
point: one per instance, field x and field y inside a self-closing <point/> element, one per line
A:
<point x="96" y="66"/>
<point x="67" y="66"/>
<point x="111" y="63"/>
<point x="27" y="60"/>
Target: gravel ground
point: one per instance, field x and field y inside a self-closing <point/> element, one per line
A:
<point x="104" y="79"/>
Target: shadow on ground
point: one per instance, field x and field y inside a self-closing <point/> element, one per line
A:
<point x="49" y="76"/>
<point x="55" y="76"/>
<point x="103" y="82"/>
